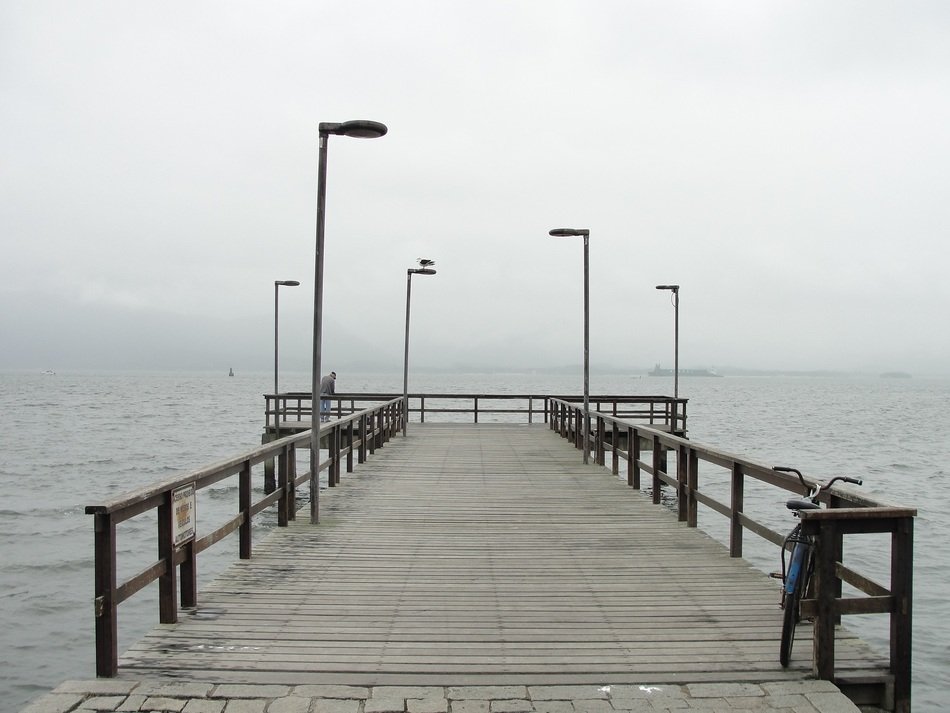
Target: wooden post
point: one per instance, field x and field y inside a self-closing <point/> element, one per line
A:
<point x="361" y="452"/>
<point x="692" y="487"/>
<point x="168" y="580"/>
<point x="349" y="446"/>
<point x="657" y="467"/>
<point x="635" y="445"/>
<point x="615" y="453"/>
<point x="291" y="482"/>
<point x="682" y="486"/>
<point x="282" y="459"/>
<point x="902" y="589"/>
<point x="823" y="661"/>
<point x="736" y="509"/>
<point x="244" y="507"/>
<point x="107" y="629"/>
<point x="476" y="409"/>
<point x="188" y="581"/>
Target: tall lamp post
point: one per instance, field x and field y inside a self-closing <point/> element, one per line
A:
<point x="362" y="130"/>
<point x="277" y="285"/>
<point x="424" y="269"/>
<point x="584" y="233"/>
<point x="675" y="289"/>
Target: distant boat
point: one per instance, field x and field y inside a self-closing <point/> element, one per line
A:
<point x="50" y="372"/>
<point x="657" y="371"/>
<point x="231" y="372"/>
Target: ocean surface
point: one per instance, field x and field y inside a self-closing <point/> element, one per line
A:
<point x="71" y="439"/>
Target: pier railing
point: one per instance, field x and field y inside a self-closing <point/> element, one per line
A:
<point x="294" y="409"/>
<point x="357" y="435"/>
<point x="848" y="513"/>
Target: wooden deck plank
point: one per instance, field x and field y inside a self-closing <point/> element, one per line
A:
<point x="483" y="553"/>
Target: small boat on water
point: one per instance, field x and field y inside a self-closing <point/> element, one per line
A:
<point x="231" y="372"/>
<point x="657" y="371"/>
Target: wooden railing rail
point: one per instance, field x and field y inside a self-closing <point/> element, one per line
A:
<point x="359" y="434"/>
<point x="660" y="410"/>
<point x="848" y="513"/>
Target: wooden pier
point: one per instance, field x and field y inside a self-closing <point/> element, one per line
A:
<point x="490" y="555"/>
<point x="483" y="555"/>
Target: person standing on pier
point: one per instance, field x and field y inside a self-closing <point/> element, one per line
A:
<point x="327" y="387"/>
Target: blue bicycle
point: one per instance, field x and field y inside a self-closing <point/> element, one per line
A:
<point x="796" y="577"/>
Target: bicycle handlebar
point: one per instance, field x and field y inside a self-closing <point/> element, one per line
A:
<point x="821" y="486"/>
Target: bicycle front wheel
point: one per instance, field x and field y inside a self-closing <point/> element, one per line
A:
<point x="789" y="624"/>
<point x="797" y="581"/>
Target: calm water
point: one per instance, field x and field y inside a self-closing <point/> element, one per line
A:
<point x="70" y="439"/>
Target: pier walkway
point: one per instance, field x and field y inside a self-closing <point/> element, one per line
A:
<point x="479" y="568"/>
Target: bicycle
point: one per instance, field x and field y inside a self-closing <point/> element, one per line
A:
<point x="796" y="578"/>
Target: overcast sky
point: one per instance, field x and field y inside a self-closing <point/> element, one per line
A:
<point x="784" y="162"/>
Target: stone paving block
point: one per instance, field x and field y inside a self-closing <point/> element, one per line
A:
<point x="246" y="705"/>
<point x="832" y="703"/>
<point x="243" y="690"/>
<point x="175" y="689"/>
<point x="646" y="690"/>
<point x="778" y="688"/>
<point x="474" y="706"/>
<point x="553" y="707"/>
<point x="331" y="691"/>
<point x="53" y="703"/>
<point x="160" y="703"/>
<point x="383" y="704"/>
<point x="595" y="705"/>
<point x="432" y="704"/>
<point x="97" y="687"/>
<point x="290" y="704"/>
<point x="664" y="705"/>
<point x="723" y="690"/>
<point x="486" y="693"/>
<point x="132" y="703"/>
<point x="197" y="705"/>
<point x="790" y="700"/>
<point x="101" y="703"/>
<point x="407" y="692"/>
<point x="511" y="705"/>
<point x="634" y="705"/>
<point x="566" y="693"/>
<point x="335" y="705"/>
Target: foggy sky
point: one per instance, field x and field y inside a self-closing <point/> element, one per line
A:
<point x="784" y="162"/>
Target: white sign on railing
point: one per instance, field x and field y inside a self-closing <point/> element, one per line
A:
<point x="184" y="514"/>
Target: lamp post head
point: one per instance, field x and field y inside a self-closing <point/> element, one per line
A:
<point x="360" y="129"/>
<point x="286" y="283"/>
<point x="674" y="288"/>
<point x="425" y="269"/>
<point x="569" y="232"/>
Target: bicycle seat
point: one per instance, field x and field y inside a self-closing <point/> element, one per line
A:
<point x="801" y="504"/>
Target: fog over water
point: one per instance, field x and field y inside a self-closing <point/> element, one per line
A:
<point x="784" y="162"/>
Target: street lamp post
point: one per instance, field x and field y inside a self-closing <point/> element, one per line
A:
<point x="675" y="289"/>
<point x="584" y="233"/>
<point x="425" y="269"/>
<point x="278" y="284"/>
<point x="358" y="129"/>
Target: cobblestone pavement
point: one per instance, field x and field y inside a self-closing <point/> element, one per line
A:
<point x="120" y="695"/>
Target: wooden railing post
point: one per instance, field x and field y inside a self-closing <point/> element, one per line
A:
<point x="282" y="508"/>
<point x="657" y="467"/>
<point x="902" y="586"/>
<point x="188" y="576"/>
<point x="107" y="630"/>
<point x="361" y="452"/>
<point x="692" y="487"/>
<point x="168" y="580"/>
<point x="823" y="661"/>
<point x="736" y="508"/>
<point x="615" y="451"/>
<point x="244" y="507"/>
<point x="682" y="485"/>
<point x="349" y="445"/>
